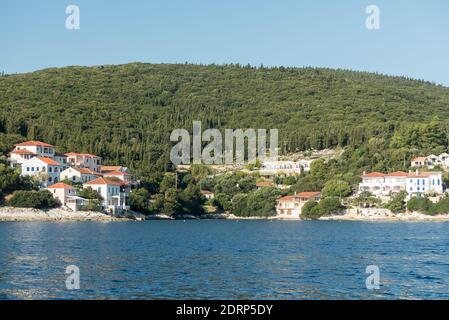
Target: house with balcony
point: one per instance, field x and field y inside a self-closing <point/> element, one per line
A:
<point x="84" y="160"/>
<point x="289" y="207"/>
<point x="424" y="183"/>
<point x="79" y="175"/>
<point x="29" y="149"/>
<point x="113" y="194"/>
<point x="46" y="170"/>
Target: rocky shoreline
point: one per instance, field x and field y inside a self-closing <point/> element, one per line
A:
<point x="59" y="214"/>
<point x="29" y="214"/>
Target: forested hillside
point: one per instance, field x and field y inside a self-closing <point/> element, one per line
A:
<point x="126" y="113"/>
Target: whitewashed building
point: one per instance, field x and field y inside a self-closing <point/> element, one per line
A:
<point x="79" y="175"/>
<point x="289" y="207"/>
<point x="46" y="169"/>
<point x="27" y="150"/>
<point x="286" y="168"/>
<point x="84" y="160"/>
<point x="381" y="184"/>
<point x="114" y="200"/>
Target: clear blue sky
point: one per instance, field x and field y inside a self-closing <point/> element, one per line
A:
<point x="413" y="39"/>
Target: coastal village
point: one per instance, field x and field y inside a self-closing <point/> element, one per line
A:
<point x="64" y="175"/>
<point x="59" y="172"/>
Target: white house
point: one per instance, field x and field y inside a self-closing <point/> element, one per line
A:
<point x="47" y="169"/>
<point x="26" y="150"/>
<point x="123" y="176"/>
<point x="286" y="168"/>
<point x="381" y="184"/>
<point x="81" y="175"/>
<point x="431" y="161"/>
<point x="66" y="194"/>
<point x="114" y="200"/>
<point x="84" y="160"/>
<point x="424" y="182"/>
<point x="289" y="207"/>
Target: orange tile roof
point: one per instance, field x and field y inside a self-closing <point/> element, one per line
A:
<point x="422" y="174"/>
<point x="102" y="180"/>
<point x="116" y="173"/>
<point x="32" y="143"/>
<point x="398" y="174"/>
<point x="87" y="155"/>
<point x="308" y="194"/>
<point x="49" y="161"/>
<point x="373" y="175"/>
<point x="22" y="151"/>
<point x="420" y="159"/>
<point x="264" y="184"/>
<point x="287" y="198"/>
<point x="111" y="168"/>
<point x="60" y="185"/>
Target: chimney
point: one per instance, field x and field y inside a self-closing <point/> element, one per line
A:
<point x="295" y="193"/>
<point x="417" y="171"/>
<point x="364" y="172"/>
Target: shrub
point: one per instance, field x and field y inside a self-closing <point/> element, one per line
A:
<point x="327" y="206"/>
<point x="336" y="188"/>
<point x="42" y="199"/>
<point x="419" y="204"/>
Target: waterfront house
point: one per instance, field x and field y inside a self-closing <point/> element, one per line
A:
<point x="290" y="206"/>
<point x="424" y="183"/>
<point x="419" y="162"/>
<point x="45" y="169"/>
<point x="81" y="175"/>
<point x="381" y="184"/>
<point x="112" y="191"/>
<point x="27" y="150"/>
<point x="84" y="160"/>
<point x="61" y="191"/>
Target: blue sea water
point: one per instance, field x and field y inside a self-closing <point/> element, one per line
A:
<point x="217" y="259"/>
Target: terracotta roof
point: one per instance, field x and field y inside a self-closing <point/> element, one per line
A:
<point x="49" y="161"/>
<point x="373" y="175"/>
<point x="421" y="174"/>
<point x="22" y="151"/>
<point x="398" y="174"/>
<point x="308" y="194"/>
<point x="102" y="180"/>
<point x="264" y="184"/>
<point x="32" y="143"/>
<point x="300" y="195"/>
<point x="60" y="185"/>
<point x="87" y="155"/>
<point x="86" y="171"/>
<point x="111" y="168"/>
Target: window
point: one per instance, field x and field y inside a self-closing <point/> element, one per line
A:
<point x="28" y="169"/>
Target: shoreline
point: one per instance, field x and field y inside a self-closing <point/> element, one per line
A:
<point x="11" y="214"/>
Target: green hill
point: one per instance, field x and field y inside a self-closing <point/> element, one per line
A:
<point x="125" y="113"/>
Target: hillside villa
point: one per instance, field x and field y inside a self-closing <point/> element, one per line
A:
<point x="385" y="184"/>
<point x="431" y="161"/>
<point x="290" y="206"/>
<point x="284" y="168"/>
<point x="40" y="160"/>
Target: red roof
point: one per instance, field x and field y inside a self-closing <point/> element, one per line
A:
<point x="111" y="168"/>
<point x="264" y="184"/>
<point x="308" y="194"/>
<point x="22" y="151"/>
<point x="398" y="174"/>
<point x="373" y="175"/>
<point x="102" y="180"/>
<point x="33" y="144"/>
<point x="61" y="185"/>
<point x="49" y="161"/>
<point x="300" y="195"/>
<point x="86" y="155"/>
